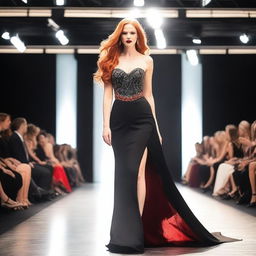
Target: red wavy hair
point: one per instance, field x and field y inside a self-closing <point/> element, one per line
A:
<point x="111" y="48"/>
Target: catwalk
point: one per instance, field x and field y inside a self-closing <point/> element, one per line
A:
<point x="79" y="224"/>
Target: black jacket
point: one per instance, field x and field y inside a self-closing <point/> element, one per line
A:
<point x="17" y="148"/>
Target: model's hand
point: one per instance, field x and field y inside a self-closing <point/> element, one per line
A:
<point x="107" y="135"/>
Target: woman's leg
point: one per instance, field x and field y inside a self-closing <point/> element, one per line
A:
<point x="25" y="172"/>
<point x="7" y="200"/>
<point x="210" y="180"/>
<point x="141" y="186"/>
<point x="186" y="176"/>
<point x="252" y="173"/>
<point x="233" y="185"/>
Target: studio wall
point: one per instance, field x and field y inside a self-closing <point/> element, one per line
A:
<point x="28" y="88"/>
<point x="228" y="90"/>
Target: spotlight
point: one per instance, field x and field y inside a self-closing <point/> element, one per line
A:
<point x="60" y="2"/>
<point x="160" y="39"/>
<point x="154" y="18"/>
<point x="53" y="24"/>
<point x="192" y="57"/>
<point x="138" y="3"/>
<point x="205" y="2"/>
<point x="15" y="40"/>
<point x="196" y="41"/>
<point x="25" y="1"/>
<point x="244" y="38"/>
<point x="61" y="37"/>
<point x="6" y="36"/>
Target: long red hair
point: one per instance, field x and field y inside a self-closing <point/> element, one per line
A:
<point x="111" y="48"/>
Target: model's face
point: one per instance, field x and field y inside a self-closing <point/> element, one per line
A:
<point x="129" y="35"/>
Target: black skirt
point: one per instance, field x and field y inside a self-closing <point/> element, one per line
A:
<point x="167" y="220"/>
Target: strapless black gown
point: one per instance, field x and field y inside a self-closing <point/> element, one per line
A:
<point x="167" y="220"/>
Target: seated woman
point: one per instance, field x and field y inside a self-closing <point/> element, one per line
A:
<point x="242" y="177"/>
<point x="72" y="170"/>
<point x="68" y="158"/>
<point x="17" y="186"/>
<point x="252" y="168"/>
<point x="57" y="172"/>
<point x="234" y="152"/>
<point x="197" y="159"/>
<point x="45" y="153"/>
<point x="24" y="170"/>
<point x="220" y="146"/>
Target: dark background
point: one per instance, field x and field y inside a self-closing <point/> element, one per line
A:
<point x="28" y="89"/>
<point x="228" y="91"/>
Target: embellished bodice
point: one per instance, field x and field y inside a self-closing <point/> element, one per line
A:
<point x="128" y="86"/>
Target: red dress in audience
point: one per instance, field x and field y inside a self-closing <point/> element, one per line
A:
<point x="59" y="174"/>
<point x="60" y="177"/>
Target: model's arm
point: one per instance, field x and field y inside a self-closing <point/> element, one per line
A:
<point x="147" y="91"/>
<point x="107" y="104"/>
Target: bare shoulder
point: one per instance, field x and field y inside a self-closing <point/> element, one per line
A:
<point x="149" y="62"/>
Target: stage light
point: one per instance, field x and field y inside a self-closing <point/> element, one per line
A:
<point x="205" y="2"/>
<point x="196" y="41"/>
<point x="244" y="38"/>
<point x="138" y="3"/>
<point x="6" y="36"/>
<point x="53" y="24"/>
<point x="192" y="57"/>
<point x="61" y="37"/>
<point x="154" y="18"/>
<point x="25" y="1"/>
<point x="60" y="2"/>
<point x="160" y="39"/>
<point x="15" y="40"/>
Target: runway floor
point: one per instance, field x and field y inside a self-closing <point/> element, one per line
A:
<point x="78" y="225"/>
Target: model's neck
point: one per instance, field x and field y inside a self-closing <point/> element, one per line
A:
<point x="129" y="51"/>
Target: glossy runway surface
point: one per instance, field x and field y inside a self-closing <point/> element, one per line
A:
<point x="78" y="225"/>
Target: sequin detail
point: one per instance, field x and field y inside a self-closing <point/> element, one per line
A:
<point x="128" y="86"/>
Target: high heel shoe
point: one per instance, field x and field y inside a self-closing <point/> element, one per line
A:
<point x="253" y="204"/>
<point x="15" y="206"/>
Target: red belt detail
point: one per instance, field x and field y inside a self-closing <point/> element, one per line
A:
<point x="125" y="98"/>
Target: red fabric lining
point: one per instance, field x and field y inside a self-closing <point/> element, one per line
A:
<point x="161" y="222"/>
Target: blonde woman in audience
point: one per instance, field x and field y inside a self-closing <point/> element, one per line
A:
<point x="234" y="149"/>
<point x="252" y="169"/>
<point x="243" y="174"/>
<point x="221" y="148"/>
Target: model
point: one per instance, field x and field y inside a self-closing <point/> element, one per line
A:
<point x="148" y="209"/>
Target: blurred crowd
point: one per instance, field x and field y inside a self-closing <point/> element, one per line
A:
<point x="33" y="168"/>
<point x="225" y="164"/>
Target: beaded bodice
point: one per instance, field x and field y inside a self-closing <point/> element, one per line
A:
<point x="128" y="86"/>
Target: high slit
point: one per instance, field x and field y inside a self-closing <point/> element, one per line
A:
<point x="166" y="219"/>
